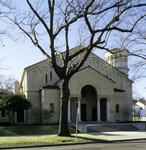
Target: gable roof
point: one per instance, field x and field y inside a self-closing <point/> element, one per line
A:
<point x="139" y="103"/>
<point x="143" y="102"/>
<point x="97" y="72"/>
<point x="92" y="69"/>
<point x="73" y="50"/>
<point x="33" y="66"/>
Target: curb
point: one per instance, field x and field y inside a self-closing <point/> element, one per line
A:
<point x="53" y="145"/>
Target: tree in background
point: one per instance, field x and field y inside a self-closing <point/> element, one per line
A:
<point x="5" y="9"/>
<point x="6" y="84"/>
<point x="135" y="44"/>
<point x="11" y="103"/>
<point x="53" y="25"/>
<point x="139" y="99"/>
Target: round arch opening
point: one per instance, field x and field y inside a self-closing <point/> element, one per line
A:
<point x="88" y="103"/>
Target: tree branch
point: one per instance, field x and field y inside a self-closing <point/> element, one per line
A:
<point x="39" y="17"/>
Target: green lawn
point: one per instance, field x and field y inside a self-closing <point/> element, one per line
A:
<point x="29" y="130"/>
<point x="19" y="136"/>
<point x="39" y="140"/>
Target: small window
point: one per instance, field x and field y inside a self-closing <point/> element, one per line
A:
<point x="117" y="108"/>
<point x="51" y="77"/>
<point x="46" y="78"/>
<point x="3" y="113"/>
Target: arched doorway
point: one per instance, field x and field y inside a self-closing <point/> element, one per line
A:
<point x="88" y="103"/>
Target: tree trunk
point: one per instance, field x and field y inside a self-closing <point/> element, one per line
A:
<point x="63" y="122"/>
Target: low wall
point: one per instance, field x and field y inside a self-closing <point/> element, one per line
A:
<point x="140" y="126"/>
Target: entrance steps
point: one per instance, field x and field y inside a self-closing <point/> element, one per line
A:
<point x="111" y="127"/>
<point x="107" y="127"/>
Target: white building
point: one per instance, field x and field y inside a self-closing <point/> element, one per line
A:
<point x="139" y="111"/>
<point x="101" y="90"/>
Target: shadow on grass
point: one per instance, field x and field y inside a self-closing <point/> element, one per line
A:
<point x="30" y="130"/>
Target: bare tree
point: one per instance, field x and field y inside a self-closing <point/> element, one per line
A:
<point x="56" y="23"/>
<point x="5" y="9"/>
<point x="7" y="83"/>
<point x="135" y="44"/>
<point x="138" y="52"/>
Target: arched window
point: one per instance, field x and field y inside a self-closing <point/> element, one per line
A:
<point x="46" y="78"/>
<point x="51" y="76"/>
<point x="117" y="108"/>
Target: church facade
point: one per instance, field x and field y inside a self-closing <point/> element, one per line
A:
<point x="100" y="91"/>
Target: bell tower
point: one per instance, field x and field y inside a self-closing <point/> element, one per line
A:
<point x="118" y="58"/>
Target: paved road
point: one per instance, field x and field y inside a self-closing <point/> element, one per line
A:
<point x="134" y="145"/>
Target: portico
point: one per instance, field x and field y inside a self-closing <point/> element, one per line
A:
<point x="90" y="106"/>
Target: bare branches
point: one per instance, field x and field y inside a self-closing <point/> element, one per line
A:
<point x="38" y="16"/>
<point x="135" y="44"/>
<point x="142" y="56"/>
<point x="5" y="9"/>
<point x="59" y="19"/>
<point x="6" y="83"/>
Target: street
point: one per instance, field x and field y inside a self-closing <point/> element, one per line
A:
<point x="130" y="145"/>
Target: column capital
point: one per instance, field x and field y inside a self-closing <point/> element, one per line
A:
<point x="98" y="98"/>
<point x="79" y="98"/>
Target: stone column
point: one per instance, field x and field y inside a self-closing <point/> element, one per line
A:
<point x="79" y="109"/>
<point x="69" y="113"/>
<point x="98" y="110"/>
<point x="108" y="110"/>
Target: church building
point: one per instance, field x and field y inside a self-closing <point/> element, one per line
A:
<point x="101" y="90"/>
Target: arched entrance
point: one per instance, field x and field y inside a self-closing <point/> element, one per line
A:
<point x="88" y="103"/>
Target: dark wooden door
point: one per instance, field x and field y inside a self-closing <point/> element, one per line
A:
<point x="83" y="112"/>
<point x="94" y="114"/>
<point x="103" y="110"/>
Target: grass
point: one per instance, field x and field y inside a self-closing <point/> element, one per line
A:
<point x="20" y="136"/>
<point x="30" y="130"/>
<point x="39" y="140"/>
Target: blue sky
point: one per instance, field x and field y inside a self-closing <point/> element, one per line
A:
<point x="19" y="54"/>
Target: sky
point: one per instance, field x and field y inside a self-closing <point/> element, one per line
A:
<point x="16" y="55"/>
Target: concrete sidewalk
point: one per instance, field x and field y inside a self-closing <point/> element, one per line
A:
<point x="114" y="136"/>
<point x="120" y="135"/>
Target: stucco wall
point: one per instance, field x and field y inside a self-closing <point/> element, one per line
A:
<point x="33" y="115"/>
<point x="48" y="97"/>
<point x="37" y="75"/>
<point x="89" y="76"/>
